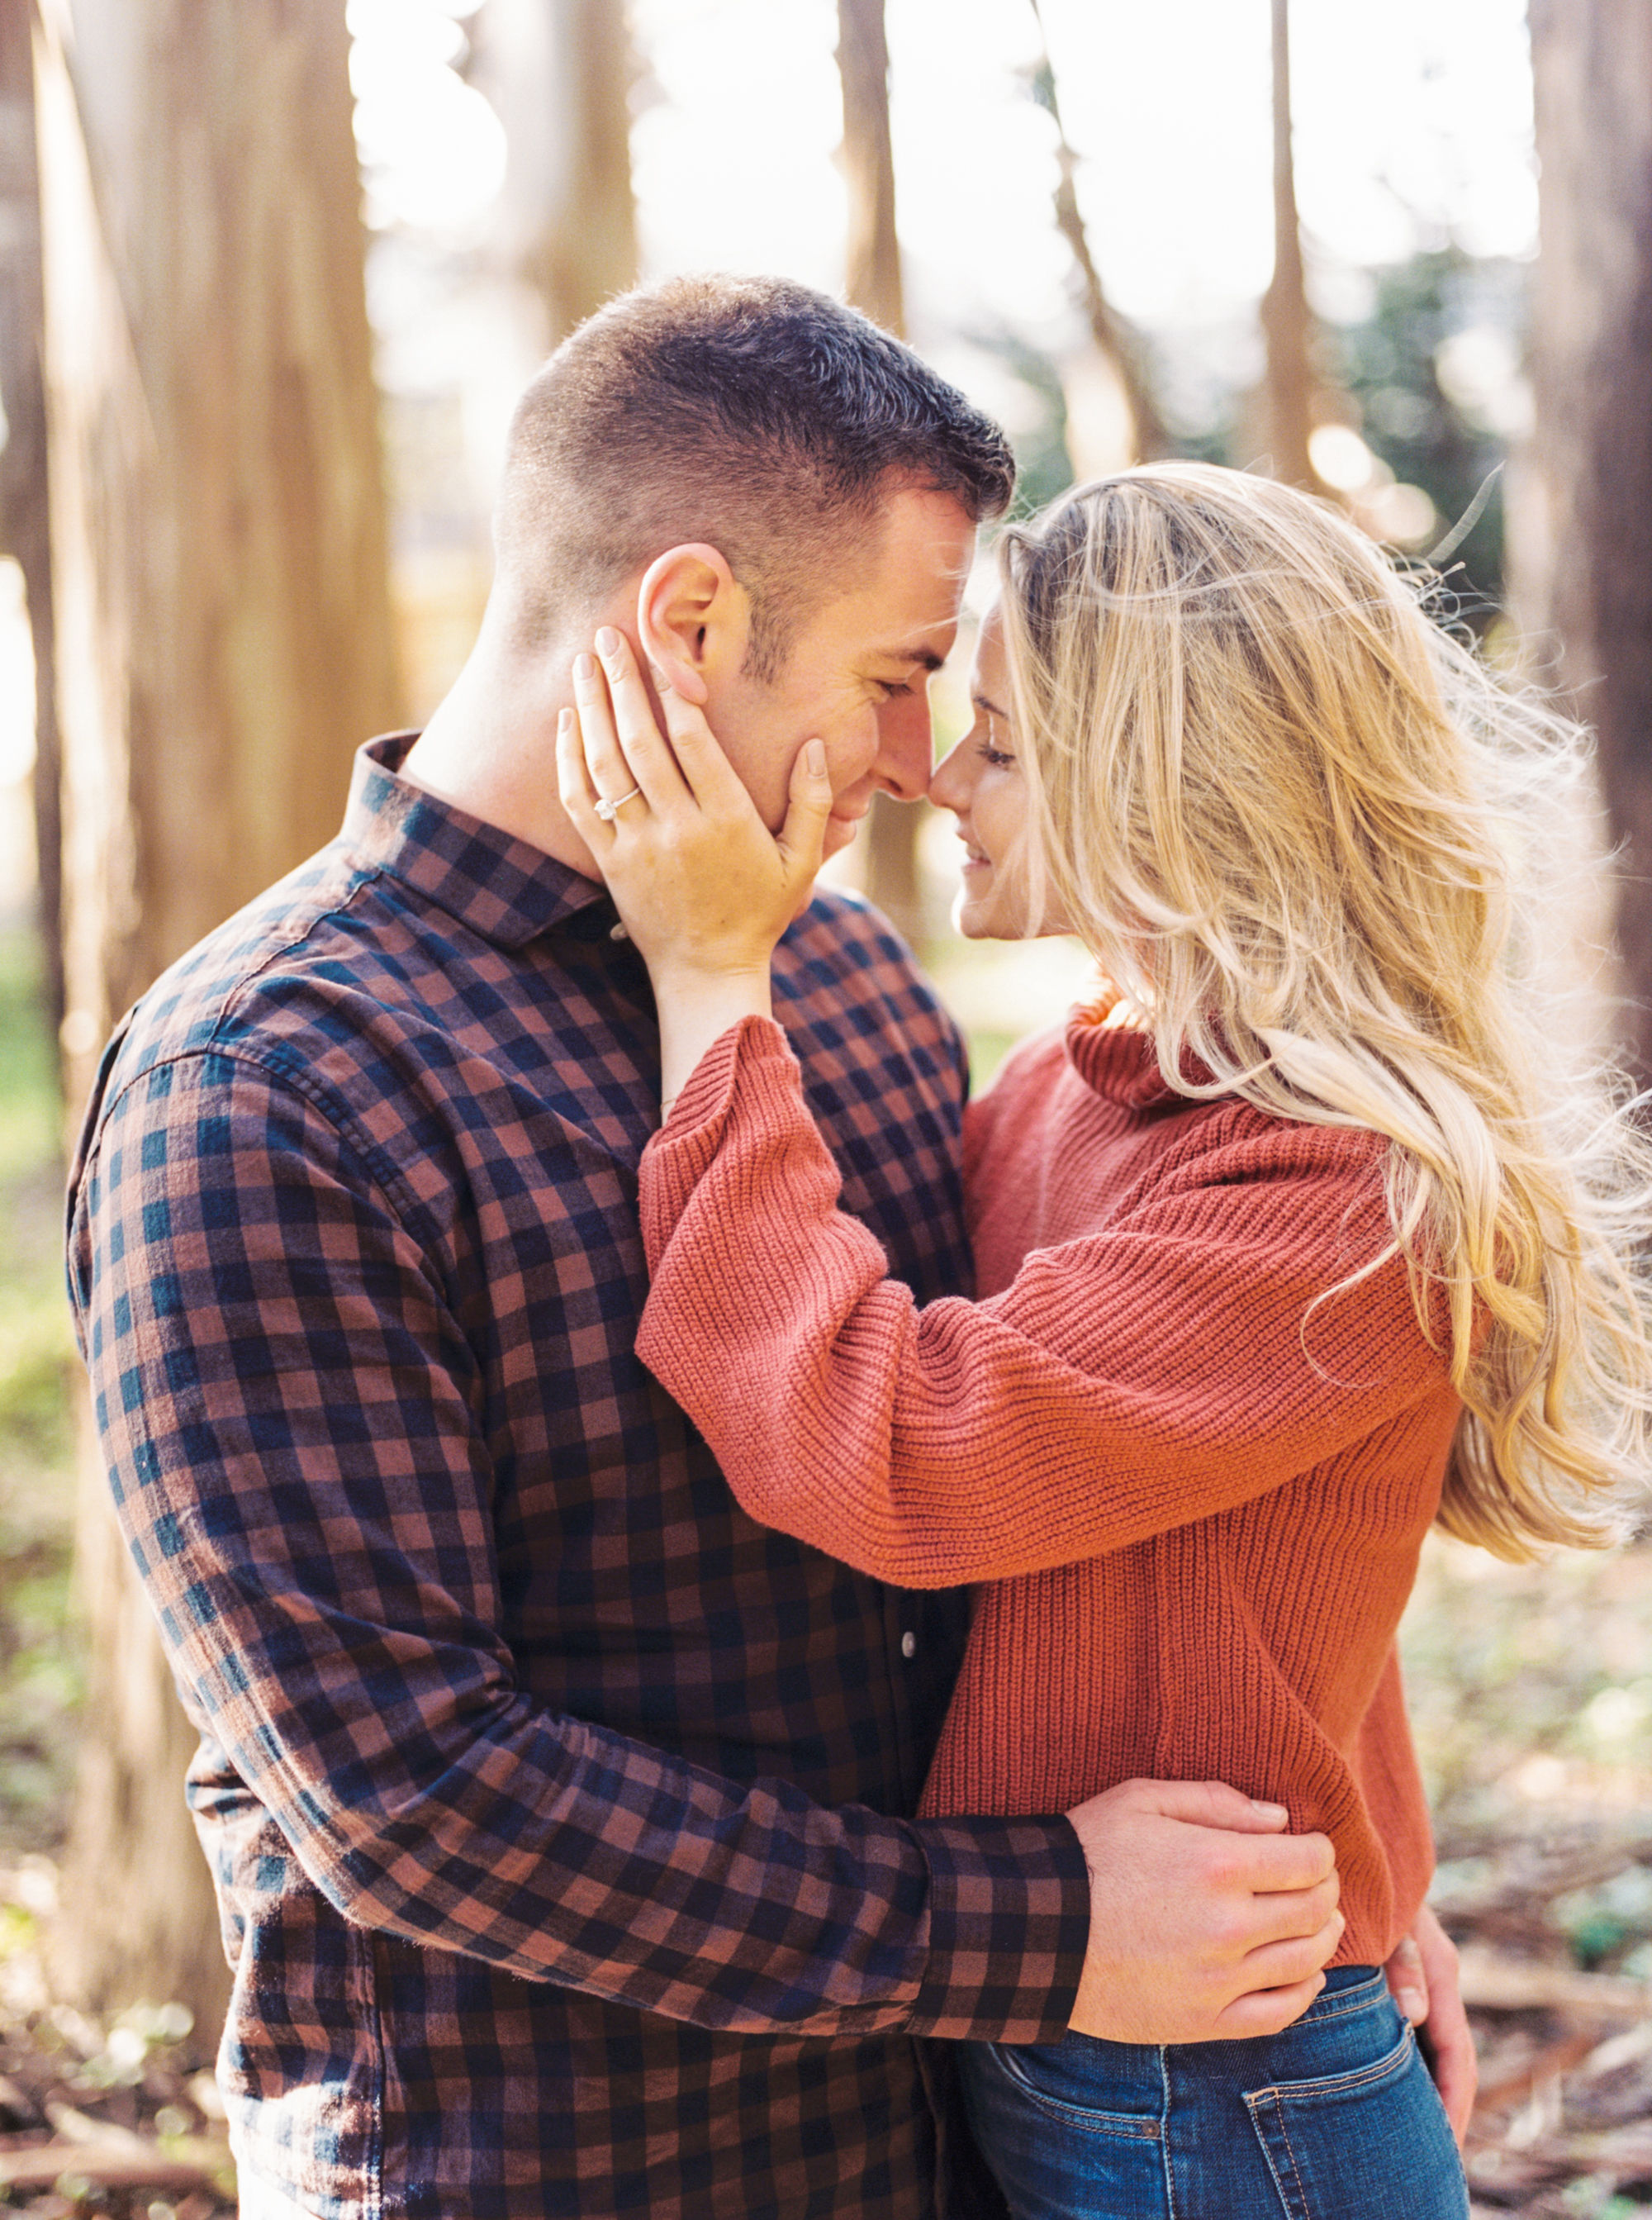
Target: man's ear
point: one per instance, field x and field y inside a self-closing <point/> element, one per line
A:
<point x="693" y="618"/>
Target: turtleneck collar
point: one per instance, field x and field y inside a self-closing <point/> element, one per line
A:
<point x="1119" y="1062"/>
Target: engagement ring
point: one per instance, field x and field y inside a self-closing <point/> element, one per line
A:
<point x="608" y="810"/>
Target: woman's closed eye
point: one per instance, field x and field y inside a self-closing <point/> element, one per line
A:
<point x="987" y="747"/>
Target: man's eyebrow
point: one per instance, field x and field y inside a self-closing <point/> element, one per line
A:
<point x="923" y="658"/>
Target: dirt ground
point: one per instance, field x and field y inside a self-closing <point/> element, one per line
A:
<point x="120" y="2117"/>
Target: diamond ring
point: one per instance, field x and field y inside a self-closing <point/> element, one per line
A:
<point x="608" y="811"/>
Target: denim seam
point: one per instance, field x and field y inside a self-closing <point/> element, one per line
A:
<point x="1340" y="2012"/>
<point x="1290" y="2151"/>
<point x="1164" y="2136"/>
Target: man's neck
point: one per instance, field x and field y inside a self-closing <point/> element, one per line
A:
<point x="491" y="750"/>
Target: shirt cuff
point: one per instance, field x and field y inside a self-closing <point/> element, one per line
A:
<point x="1009" y="1921"/>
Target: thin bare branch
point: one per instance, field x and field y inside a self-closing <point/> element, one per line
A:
<point x="1115" y="336"/>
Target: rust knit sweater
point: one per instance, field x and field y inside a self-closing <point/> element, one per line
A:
<point x="1196" y="1499"/>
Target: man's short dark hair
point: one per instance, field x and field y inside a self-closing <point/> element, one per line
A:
<point x="751" y="413"/>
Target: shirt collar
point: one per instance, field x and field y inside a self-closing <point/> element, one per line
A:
<point x="502" y="888"/>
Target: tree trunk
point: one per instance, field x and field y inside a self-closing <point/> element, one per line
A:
<point x="1589" y="577"/>
<point x="559" y="73"/>
<point x="1287" y="324"/>
<point x="872" y="282"/>
<point x="872" y="272"/>
<point x="223" y="638"/>
<point x="25" y="518"/>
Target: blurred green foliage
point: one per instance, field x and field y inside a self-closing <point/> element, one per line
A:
<point x="39" y="1676"/>
<point x="1525" y="1685"/>
<point x="29" y="1114"/>
<point x="1442" y="432"/>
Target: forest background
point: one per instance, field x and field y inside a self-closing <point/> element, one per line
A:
<point x="269" y="279"/>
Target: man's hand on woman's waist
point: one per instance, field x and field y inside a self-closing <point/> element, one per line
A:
<point x="1208" y="1922"/>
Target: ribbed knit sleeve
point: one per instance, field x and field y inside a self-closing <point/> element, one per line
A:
<point x="1174" y="1364"/>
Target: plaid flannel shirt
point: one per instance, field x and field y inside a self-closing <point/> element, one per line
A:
<point x="560" y="1815"/>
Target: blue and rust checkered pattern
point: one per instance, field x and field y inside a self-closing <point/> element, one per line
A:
<point x="560" y="1815"/>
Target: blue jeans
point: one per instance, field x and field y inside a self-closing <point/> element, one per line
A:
<point x="1334" y="2119"/>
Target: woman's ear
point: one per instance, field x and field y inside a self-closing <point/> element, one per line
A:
<point x="693" y="619"/>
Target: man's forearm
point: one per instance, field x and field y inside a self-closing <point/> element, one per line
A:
<point x="570" y="1853"/>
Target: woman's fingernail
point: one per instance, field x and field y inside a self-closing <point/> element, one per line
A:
<point x="584" y="668"/>
<point x="814" y="759"/>
<point x="608" y="641"/>
<point x="1414" y="2005"/>
<point x="1276" y="1811"/>
<point x="565" y="719"/>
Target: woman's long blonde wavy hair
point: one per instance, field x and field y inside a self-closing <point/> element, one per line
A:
<point x="1292" y="817"/>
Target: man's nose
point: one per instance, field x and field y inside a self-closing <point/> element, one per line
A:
<point x="905" y="744"/>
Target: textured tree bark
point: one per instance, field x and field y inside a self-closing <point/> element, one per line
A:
<point x="1585" y="573"/>
<point x="559" y="73"/>
<point x="224" y="642"/>
<point x="25" y="517"/>
<point x="872" y="282"/>
<point x="1287" y="324"/>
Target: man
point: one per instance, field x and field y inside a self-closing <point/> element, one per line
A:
<point x="559" y="1813"/>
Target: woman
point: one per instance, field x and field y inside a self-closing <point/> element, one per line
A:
<point x="1297" y="1240"/>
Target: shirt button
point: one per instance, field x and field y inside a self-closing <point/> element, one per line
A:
<point x="908" y="1643"/>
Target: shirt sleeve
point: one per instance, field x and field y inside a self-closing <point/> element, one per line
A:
<point x="1175" y="1364"/>
<point x="290" y="1416"/>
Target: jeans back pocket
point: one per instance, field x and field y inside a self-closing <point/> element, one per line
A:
<point x="1378" y="2131"/>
